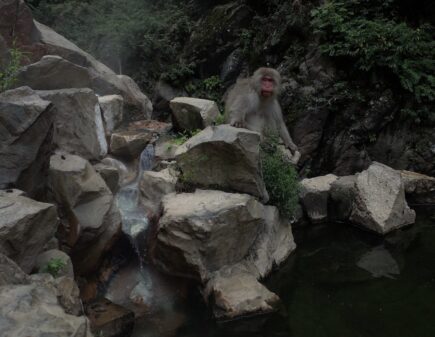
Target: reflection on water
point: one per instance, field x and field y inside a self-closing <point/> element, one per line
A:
<point x="341" y="282"/>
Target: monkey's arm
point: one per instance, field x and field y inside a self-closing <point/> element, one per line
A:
<point x="283" y="132"/>
<point x="236" y="112"/>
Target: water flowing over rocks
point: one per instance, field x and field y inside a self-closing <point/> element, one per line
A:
<point x="192" y="114"/>
<point x="91" y="217"/>
<point x="78" y="122"/>
<point x="225" y="158"/>
<point x="25" y="227"/>
<point x="26" y="123"/>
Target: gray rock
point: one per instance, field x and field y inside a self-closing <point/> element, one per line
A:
<point x="163" y="94"/>
<point x="129" y="144"/>
<point x="380" y="203"/>
<point x="379" y="263"/>
<point x="342" y="194"/>
<point x="238" y="294"/>
<point x="165" y="148"/>
<point x="113" y="109"/>
<point x="44" y="259"/>
<point x="419" y="188"/>
<point x="90" y="211"/>
<point x="103" y="80"/>
<point x="227" y="242"/>
<point x="25" y="227"/>
<point x="25" y="140"/>
<point x="191" y="114"/>
<point x="10" y="273"/>
<point x="34" y="310"/>
<point x="110" y="174"/>
<point x="314" y="195"/>
<point x="225" y="158"/>
<point x="12" y="192"/>
<point x="53" y="72"/>
<point x="154" y="186"/>
<point x="78" y="122"/>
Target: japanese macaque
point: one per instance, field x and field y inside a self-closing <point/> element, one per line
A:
<point x="253" y="104"/>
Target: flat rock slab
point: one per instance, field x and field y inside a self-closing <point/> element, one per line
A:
<point x="129" y="144"/>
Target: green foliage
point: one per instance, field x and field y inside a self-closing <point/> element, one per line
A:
<point x="280" y="177"/>
<point x="220" y="119"/>
<point x="369" y="34"/>
<point x="54" y="266"/>
<point x="8" y="75"/>
<point x="184" y="136"/>
<point x="210" y="88"/>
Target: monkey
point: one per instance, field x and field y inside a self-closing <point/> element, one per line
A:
<point x="252" y="104"/>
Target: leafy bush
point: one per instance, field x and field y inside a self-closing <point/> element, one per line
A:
<point x="8" y="75"/>
<point x="54" y="266"/>
<point x="280" y="177"/>
<point x="368" y="34"/>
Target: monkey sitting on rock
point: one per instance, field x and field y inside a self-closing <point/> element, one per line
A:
<point x="253" y="104"/>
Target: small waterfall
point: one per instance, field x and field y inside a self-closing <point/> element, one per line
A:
<point x="135" y="221"/>
<point x="134" y="218"/>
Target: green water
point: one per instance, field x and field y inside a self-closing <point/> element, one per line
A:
<point x="342" y="282"/>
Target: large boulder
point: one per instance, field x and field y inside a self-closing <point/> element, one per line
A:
<point x="314" y="195"/>
<point x="53" y="72"/>
<point x="221" y="240"/>
<point x="10" y="273"/>
<point x="192" y="114"/>
<point x="112" y="107"/>
<point x="419" y="188"/>
<point x="26" y="125"/>
<point x="379" y="202"/>
<point x="223" y="157"/>
<point x="18" y="27"/>
<point x="25" y="227"/>
<point x="91" y="216"/>
<point x="78" y="122"/>
<point x="110" y="174"/>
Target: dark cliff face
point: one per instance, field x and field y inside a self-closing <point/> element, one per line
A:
<point x="342" y="114"/>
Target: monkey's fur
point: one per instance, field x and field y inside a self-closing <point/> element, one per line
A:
<point x="246" y="107"/>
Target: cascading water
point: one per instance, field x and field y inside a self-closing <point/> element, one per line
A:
<point x="135" y="221"/>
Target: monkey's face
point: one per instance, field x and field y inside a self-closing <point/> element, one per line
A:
<point x="267" y="86"/>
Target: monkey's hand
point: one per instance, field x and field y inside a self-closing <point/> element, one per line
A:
<point x="238" y="124"/>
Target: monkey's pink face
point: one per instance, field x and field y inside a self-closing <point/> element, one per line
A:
<point x="267" y="86"/>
